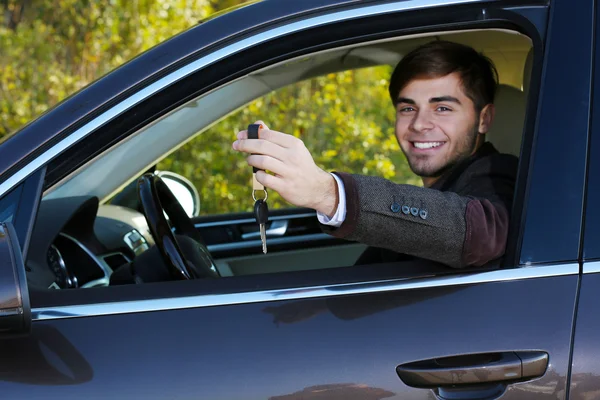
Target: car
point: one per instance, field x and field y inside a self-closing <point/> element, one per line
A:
<point x="116" y="285"/>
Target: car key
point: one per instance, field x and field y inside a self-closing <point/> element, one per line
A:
<point x="261" y="213"/>
<point x="261" y="210"/>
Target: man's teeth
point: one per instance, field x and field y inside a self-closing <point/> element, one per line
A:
<point x="427" y="145"/>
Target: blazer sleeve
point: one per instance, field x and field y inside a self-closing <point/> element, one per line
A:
<point x="466" y="227"/>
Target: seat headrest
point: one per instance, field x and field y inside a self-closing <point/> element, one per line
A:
<point x="507" y="127"/>
<point x="506" y="131"/>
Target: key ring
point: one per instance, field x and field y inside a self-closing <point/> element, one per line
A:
<point x="254" y="196"/>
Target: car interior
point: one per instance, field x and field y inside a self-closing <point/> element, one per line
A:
<point x="91" y="240"/>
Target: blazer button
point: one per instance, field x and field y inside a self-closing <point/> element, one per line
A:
<point x="423" y="214"/>
<point x="395" y="207"/>
<point x="414" y="211"/>
<point x="406" y="210"/>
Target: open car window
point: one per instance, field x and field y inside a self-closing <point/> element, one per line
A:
<point x="342" y="134"/>
<point x="107" y="175"/>
<point x="336" y="101"/>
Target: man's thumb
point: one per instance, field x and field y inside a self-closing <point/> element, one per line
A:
<point x="264" y="126"/>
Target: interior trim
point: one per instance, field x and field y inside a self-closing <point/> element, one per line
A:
<point x="252" y="220"/>
<point x="211" y="58"/>
<point x="212" y="300"/>
<point x="247" y="244"/>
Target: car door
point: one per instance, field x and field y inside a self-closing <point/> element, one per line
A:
<point x="403" y="331"/>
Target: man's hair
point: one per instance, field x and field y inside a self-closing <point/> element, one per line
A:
<point x="439" y="58"/>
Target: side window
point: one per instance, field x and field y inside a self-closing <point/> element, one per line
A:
<point x="9" y="204"/>
<point x="345" y="119"/>
<point x="338" y="104"/>
<point x="18" y="206"/>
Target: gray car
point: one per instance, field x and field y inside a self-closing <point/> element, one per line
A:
<point x="83" y="203"/>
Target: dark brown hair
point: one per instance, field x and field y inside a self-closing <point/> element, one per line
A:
<point x="439" y="58"/>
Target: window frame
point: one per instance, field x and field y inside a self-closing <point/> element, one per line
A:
<point x="590" y="250"/>
<point x="152" y="107"/>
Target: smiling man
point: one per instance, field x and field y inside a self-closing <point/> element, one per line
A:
<point x="443" y="93"/>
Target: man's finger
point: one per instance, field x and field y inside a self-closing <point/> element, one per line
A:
<point x="244" y="134"/>
<point x="280" y="138"/>
<point x="260" y="122"/>
<point x="268" y="163"/>
<point x="260" y="146"/>
<point x="269" y="181"/>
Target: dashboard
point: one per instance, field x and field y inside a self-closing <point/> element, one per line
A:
<point x="76" y="243"/>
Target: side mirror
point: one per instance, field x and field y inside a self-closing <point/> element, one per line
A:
<point x="183" y="190"/>
<point x="15" y="309"/>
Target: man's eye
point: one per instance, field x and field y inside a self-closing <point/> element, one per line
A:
<point x="443" y="108"/>
<point x="406" y="109"/>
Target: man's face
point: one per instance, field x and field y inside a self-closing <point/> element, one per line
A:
<point x="436" y="125"/>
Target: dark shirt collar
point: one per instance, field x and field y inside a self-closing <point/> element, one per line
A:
<point x="450" y="176"/>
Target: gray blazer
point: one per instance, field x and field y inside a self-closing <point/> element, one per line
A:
<point x="462" y="220"/>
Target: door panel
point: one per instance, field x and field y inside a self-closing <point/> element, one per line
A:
<point x="585" y="383"/>
<point x="340" y="347"/>
<point x="236" y="236"/>
<point x="292" y="260"/>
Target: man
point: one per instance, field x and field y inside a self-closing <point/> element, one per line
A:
<point x="443" y="93"/>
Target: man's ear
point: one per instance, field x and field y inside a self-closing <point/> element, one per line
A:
<point x="486" y="117"/>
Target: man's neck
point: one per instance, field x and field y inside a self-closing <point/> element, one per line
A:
<point x="429" y="181"/>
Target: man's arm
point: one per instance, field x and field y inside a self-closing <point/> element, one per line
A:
<point x="467" y="227"/>
<point x="447" y="227"/>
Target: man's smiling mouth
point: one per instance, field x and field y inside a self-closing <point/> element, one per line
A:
<point x="426" y="145"/>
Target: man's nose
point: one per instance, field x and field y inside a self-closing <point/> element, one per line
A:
<point x="421" y="122"/>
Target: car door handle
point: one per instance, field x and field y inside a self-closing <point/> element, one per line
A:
<point x="277" y="228"/>
<point x="474" y="369"/>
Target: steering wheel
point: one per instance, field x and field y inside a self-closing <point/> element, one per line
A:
<point x="156" y="200"/>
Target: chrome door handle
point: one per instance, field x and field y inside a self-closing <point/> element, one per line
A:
<point x="474" y="369"/>
<point x="277" y="228"/>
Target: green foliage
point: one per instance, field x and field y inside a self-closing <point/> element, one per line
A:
<point x="49" y="49"/>
<point x="52" y="48"/>
<point x="346" y="121"/>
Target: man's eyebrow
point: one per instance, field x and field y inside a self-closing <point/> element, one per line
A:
<point x="405" y="100"/>
<point x="443" y="99"/>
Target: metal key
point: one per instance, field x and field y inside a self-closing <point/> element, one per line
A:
<point x="261" y="213"/>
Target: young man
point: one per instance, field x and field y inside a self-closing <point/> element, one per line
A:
<point x="443" y="93"/>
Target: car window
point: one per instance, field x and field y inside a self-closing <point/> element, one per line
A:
<point x="336" y="101"/>
<point x="342" y="134"/>
<point x="18" y="205"/>
<point x="9" y="203"/>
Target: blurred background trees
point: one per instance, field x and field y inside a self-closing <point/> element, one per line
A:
<point x="50" y="49"/>
<point x="345" y="120"/>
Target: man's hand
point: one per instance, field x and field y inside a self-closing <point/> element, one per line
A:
<point x="296" y="176"/>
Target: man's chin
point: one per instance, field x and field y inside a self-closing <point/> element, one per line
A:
<point x="427" y="171"/>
